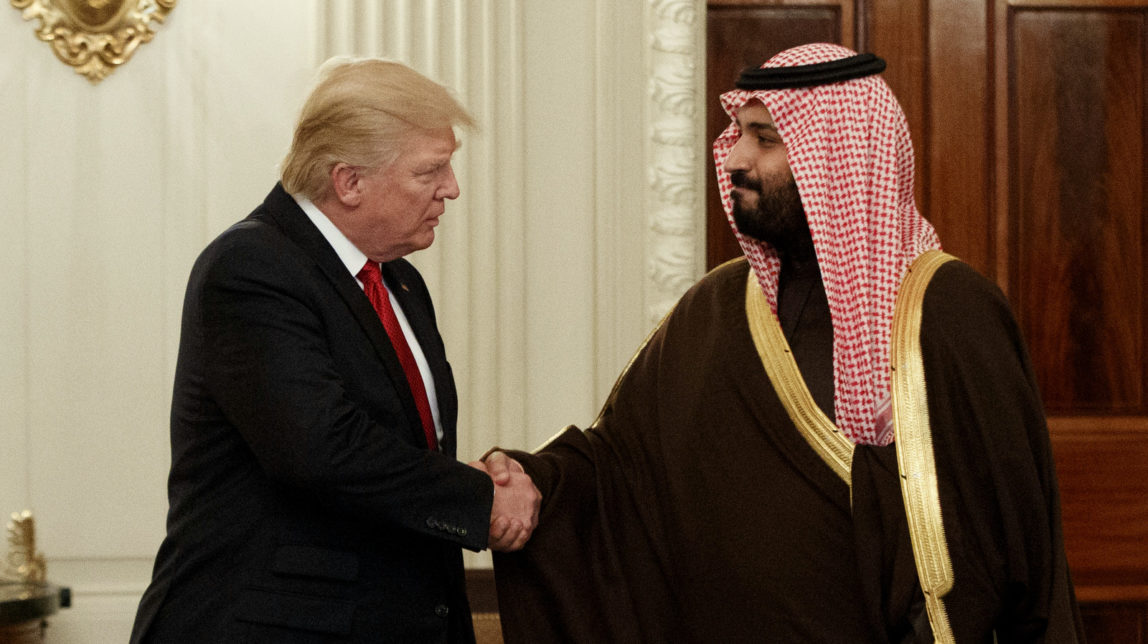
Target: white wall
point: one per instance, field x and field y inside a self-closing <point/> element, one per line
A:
<point x="578" y="225"/>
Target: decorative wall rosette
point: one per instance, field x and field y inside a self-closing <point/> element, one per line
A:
<point x="95" y="36"/>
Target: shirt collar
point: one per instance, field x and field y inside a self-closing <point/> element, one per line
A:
<point x="348" y="253"/>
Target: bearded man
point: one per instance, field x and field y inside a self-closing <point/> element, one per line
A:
<point x="837" y="438"/>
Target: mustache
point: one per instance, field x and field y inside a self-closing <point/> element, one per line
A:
<point x="741" y="179"/>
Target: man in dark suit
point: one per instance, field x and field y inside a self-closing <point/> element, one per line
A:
<point x="314" y="494"/>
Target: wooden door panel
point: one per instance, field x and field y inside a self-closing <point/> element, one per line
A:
<point x="1076" y="273"/>
<point x="1103" y="472"/>
<point x="1078" y="205"/>
<point x="1114" y="623"/>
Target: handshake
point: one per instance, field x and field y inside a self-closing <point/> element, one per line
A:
<point x="514" y="514"/>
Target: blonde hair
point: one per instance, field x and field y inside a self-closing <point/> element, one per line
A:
<point x="359" y="113"/>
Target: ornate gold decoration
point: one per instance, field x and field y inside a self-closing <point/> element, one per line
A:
<point x="24" y="562"/>
<point x="820" y="432"/>
<point x="914" y="439"/>
<point x="95" y="36"/>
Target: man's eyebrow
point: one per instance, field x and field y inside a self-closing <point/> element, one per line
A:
<point x="758" y="125"/>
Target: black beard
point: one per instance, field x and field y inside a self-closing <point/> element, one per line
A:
<point x="778" y="220"/>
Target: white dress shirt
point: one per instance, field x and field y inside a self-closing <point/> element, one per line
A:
<point x="353" y="259"/>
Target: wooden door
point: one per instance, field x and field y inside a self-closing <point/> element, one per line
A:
<point x="1029" y="124"/>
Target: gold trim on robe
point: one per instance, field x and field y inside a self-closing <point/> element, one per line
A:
<point x="820" y="432"/>
<point x="914" y="441"/>
<point x="913" y="434"/>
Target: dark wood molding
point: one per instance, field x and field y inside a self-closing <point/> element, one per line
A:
<point x="480" y="590"/>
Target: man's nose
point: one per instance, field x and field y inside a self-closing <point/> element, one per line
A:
<point x="736" y="159"/>
<point x="450" y="190"/>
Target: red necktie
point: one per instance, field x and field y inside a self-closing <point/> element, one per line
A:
<point x="377" y="293"/>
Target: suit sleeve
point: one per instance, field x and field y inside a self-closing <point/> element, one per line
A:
<point x="270" y="366"/>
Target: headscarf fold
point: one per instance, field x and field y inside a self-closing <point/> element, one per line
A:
<point x="849" y="148"/>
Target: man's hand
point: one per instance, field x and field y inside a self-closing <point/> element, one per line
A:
<point x="514" y="514"/>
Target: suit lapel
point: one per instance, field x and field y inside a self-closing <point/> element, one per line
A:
<point x="298" y="227"/>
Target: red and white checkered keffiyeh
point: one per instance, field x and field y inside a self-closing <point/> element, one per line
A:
<point x="849" y="149"/>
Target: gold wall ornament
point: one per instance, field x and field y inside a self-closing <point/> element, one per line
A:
<point x="24" y="562"/>
<point x="95" y="36"/>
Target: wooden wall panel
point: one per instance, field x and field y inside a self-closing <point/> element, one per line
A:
<point x="1115" y="623"/>
<point x="1073" y="253"/>
<point x="742" y="36"/>
<point x="1103" y="472"/>
<point x="1078" y="203"/>
<point x="955" y="162"/>
<point x="937" y="54"/>
<point x="892" y="29"/>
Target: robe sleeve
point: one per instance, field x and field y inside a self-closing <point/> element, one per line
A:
<point x="596" y="570"/>
<point x="997" y="481"/>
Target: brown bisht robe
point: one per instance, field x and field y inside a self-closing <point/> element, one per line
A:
<point x="694" y="511"/>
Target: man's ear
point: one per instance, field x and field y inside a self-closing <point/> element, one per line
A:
<point x="346" y="183"/>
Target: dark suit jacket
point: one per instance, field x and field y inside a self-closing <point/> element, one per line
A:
<point x="304" y="503"/>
